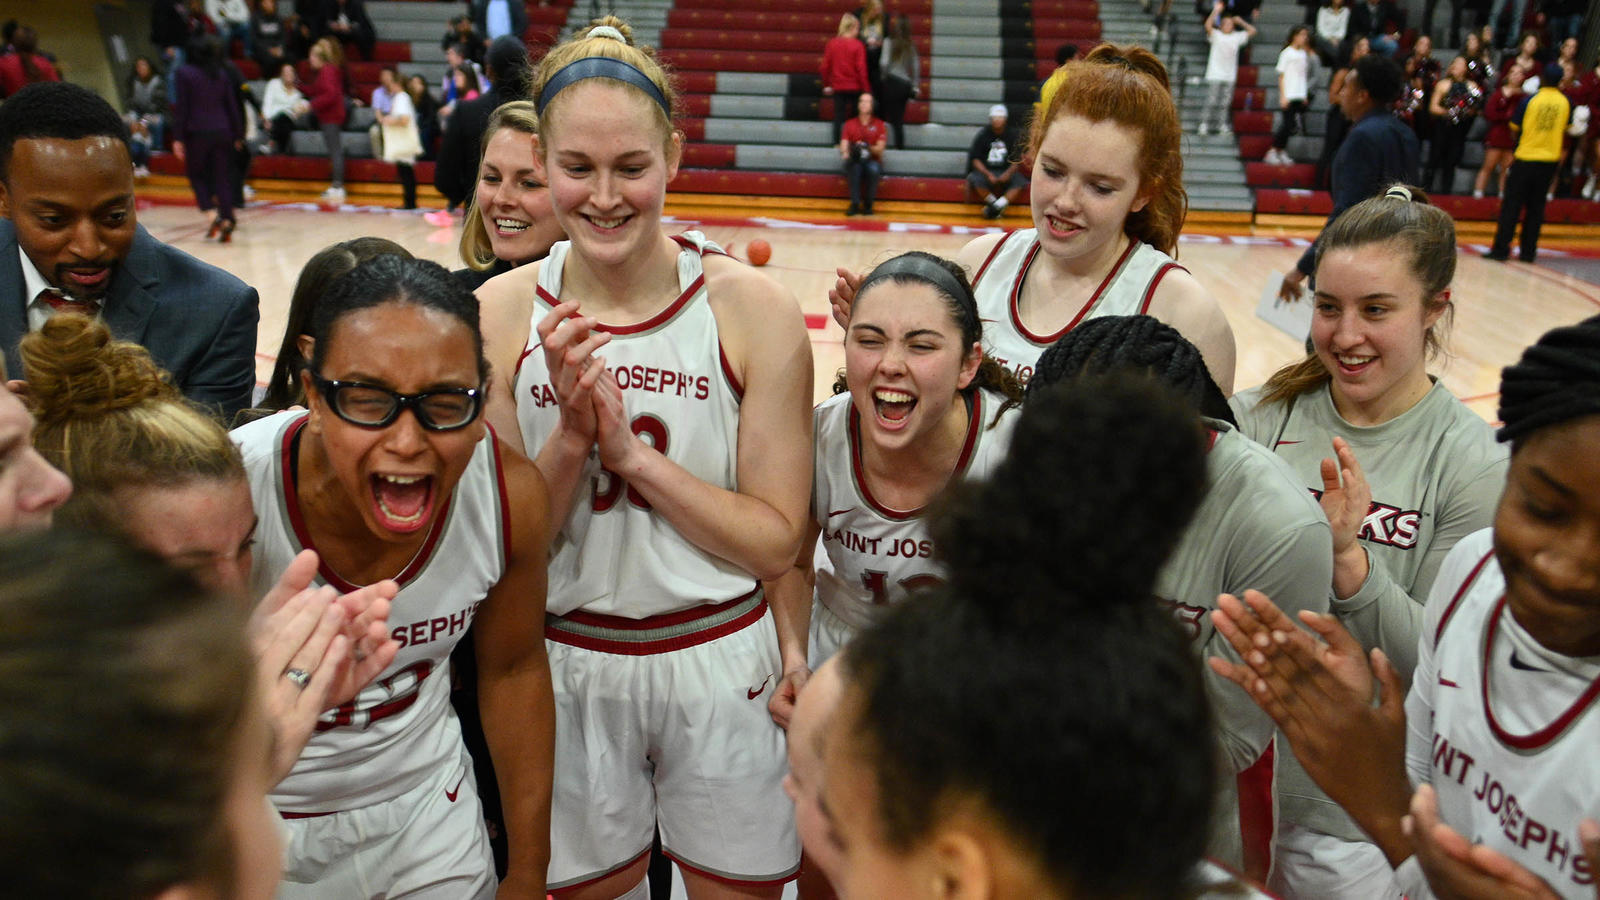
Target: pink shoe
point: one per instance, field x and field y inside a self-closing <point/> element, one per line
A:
<point x="439" y="218"/>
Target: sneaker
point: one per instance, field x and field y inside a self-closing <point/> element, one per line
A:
<point x="1203" y="130"/>
<point x="438" y="218"/>
<point x="141" y="172"/>
<point x="1225" y="131"/>
<point x="334" y="195"/>
<point x="249" y="193"/>
<point x="990" y="211"/>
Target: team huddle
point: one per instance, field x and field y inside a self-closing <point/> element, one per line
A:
<point x="1035" y="605"/>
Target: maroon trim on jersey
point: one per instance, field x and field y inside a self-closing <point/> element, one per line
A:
<point x="1149" y="292"/>
<point x="561" y="891"/>
<point x="500" y="489"/>
<point x="554" y="632"/>
<point x="728" y="879"/>
<point x="1211" y="439"/>
<point x="292" y="815"/>
<point x="1538" y="739"/>
<point x="1257" y="822"/>
<point x="1455" y="601"/>
<point x="727" y="372"/>
<point x="1022" y="274"/>
<point x="990" y="258"/>
<point x="517" y="370"/>
<point x="858" y="469"/>
<point x="655" y="321"/>
<point x="302" y="533"/>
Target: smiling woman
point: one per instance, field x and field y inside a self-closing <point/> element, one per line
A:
<point x="1416" y="470"/>
<point x="509" y="220"/>
<point x="678" y="463"/>
<point x="394" y="474"/>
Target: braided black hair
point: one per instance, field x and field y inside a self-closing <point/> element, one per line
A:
<point x="1144" y="343"/>
<point x="1557" y="380"/>
<point x="1044" y="677"/>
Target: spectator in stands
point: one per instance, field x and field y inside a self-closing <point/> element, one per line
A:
<point x="146" y="113"/>
<point x="269" y="37"/>
<point x="465" y="81"/>
<point x="1336" y="126"/>
<point x="388" y="86"/>
<point x="232" y="18"/>
<point x="460" y="148"/>
<point x="1540" y="123"/>
<point x="345" y="21"/>
<point x="206" y="128"/>
<point x="494" y="19"/>
<point x="1047" y="91"/>
<point x="456" y="56"/>
<point x="1500" y="35"/>
<point x="844" y="70"/>
<point x="64" y="158"/>
<point x="1379" y="22"/>
<point x="509" y="220"/>
<point x="402" y="141"/>
<point x="427" y="109"/>
<point x="1565" y="18"/>
<point x="994" y="166"/>
<point x="873" y="24"/>
<point x="1294" y="83"/>
<point x="861" y="148"/>
<point x="326" y="91"/>
<point x="1227" y="38"/>
<point x="24" y="65"/>
<point x="1455" y="104"/>
<point x="1456" y="7"/>
<point x="1499" y="141"/>
<point x="460" y="31"/>
<point x="284" y="108"/>
<point x="1333" y="23"/>
<point x="1529" y="55"/>
<point x="1379" y="150"/>
<point x="901" y="74"/>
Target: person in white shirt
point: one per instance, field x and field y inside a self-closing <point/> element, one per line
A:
<point x="1227" y="35"/>
<point x="1294" y="77"/>
<point x="284" y="108"/>
<point x="233" y="21"/>
<point x="1333" y="23"/>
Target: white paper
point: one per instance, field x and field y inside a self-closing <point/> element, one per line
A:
<point x="1293" y="319"/>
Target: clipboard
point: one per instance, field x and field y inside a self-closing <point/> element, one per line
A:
<point x="1293" y="319"/>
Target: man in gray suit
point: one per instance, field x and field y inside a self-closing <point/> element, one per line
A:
<point x="70" y="241"/>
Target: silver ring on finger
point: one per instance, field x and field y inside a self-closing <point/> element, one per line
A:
<point x="299" y="677"/>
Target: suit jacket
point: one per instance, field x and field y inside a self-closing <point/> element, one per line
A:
<point x="197" y="321"/>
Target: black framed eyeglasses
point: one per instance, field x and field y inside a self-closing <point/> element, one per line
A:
<point x="370" y="406"/>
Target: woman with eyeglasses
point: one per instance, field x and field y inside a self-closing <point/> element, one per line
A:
<point x="392" y="473"/>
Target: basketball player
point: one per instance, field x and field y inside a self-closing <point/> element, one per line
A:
<point x="916" y="405"/>
<point x="1416" y="471"/>
<point x="147" y="465"/>
<point x="1256" y="526"/>
<point x="949" y="697"/>
<point x="393" y="474"/>
<point x="1499" y="728"/>
<point x="678" y="463"/>
<point x="1106" y="222"/>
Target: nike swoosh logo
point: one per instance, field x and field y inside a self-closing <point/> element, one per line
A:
<point x="1517" y="663"/>
<point x="1447" y="682"/>
<point x="1283" y="443"/>
<point x="451" y="794"/>
<point x="840" y="512"/>
<point x="751" y="695"/>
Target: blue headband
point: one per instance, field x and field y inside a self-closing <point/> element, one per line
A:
<point x="601" y="67"/>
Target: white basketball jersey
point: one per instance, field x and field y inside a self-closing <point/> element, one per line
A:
<point x="1511" y="747"/>
<point x="998" y="284"/>
<point x="879" y="554"/>
<point x="400" y="729"/>
<point x="614" y="555"/>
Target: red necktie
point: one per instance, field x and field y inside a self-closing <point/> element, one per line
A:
<point x="62" y="303"/>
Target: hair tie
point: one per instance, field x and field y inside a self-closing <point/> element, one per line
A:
<point x="1398" y="192"/>
<point x="601" y="67"/>
<point x="606" y="31"/>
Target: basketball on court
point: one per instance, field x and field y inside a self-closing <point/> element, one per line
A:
<point x="759" y="253"/>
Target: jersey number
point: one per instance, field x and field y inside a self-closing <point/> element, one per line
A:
<point x="644" y="426"/>
<point x="876" y="582"/>
<point x="401" y="688"/>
